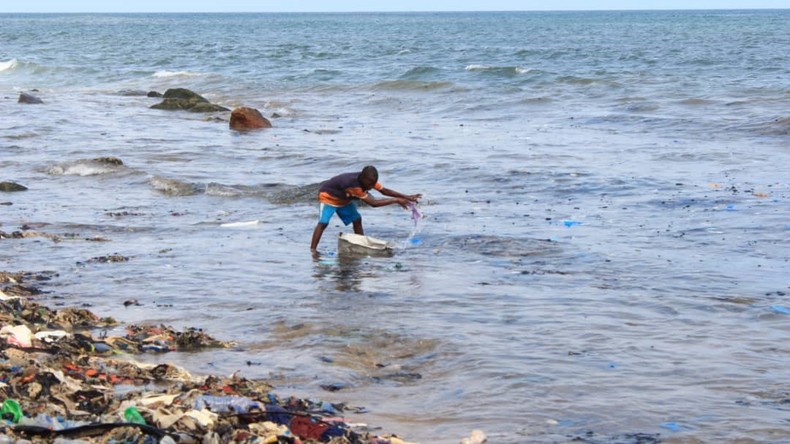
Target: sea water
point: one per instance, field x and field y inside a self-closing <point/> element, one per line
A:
<point x="606" y="223"/>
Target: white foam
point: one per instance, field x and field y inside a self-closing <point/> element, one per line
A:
<point x="81" y="168"/>
<point x="477" y="67"/>
<point x="9" y="65"/>
<point x="162" y="74"/>
<point x="172" y="187"/>
<point x="247" y="224"/>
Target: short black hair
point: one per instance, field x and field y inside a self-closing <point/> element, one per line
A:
<point x="369" y="173"/>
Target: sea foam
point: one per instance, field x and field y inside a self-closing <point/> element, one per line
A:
<point x="8" y="65"/>
<point x="163" y="74"/>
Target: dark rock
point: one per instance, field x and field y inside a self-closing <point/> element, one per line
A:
<point x="11" y="186"/>
<point x="154" y="94"/>
<point x="109" y="161"/>
<point x="243" y="119"/>
<point x="29" y="99"/>
<point x="183" y="93"/>
<point x="182" y="99"/>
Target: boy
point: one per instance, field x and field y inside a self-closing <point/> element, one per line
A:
<point x="336" y="196"/>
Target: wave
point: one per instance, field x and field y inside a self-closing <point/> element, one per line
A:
<point x="418" y="72"/>
<point x="222" y="190"/>
<point x="88" y="167"/>
<point x="415" y="85"/>
<point x="9" y="65"/>
<point x="165" y="74"/>
<point x="506" y="70"/>
<point x="173" y="187"/>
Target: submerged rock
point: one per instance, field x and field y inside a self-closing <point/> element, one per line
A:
<point x="29" y="99"/>
<point x="109" y="161"/>
<point x="176" y="99"/>
<point x="244" y="118"/>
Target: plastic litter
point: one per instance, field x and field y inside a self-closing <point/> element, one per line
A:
<point x="19" y="335"/>
<point x="11" y="410"/>
<point x="571" y="223"/>
<point x="780" y="309"/>
<point x="415" y="213"/>
<point x="131" y="414"/>
<point x="226" y="404"/>
<point x="73" y="386"/>
<point x="673" y="426"/>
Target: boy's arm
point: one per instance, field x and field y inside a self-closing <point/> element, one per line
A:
<point x="373" y="202"/>
<point x="393" y="193"/>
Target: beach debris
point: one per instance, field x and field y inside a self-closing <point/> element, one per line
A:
<point x="245" y="119"/>
<point x="176" y="99"/>
<point x="780" y="309"/>
<point x="60" y="384"/>
<point x="415" y="213"/>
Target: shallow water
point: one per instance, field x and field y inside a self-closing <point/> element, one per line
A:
<point x="605" y="225"/>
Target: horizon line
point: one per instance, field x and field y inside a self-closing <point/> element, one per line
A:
<point x="397" y="11"/>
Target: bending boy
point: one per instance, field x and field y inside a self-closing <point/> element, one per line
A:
<point x="337" y="195"/>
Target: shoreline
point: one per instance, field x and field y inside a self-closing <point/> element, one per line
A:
<point x="60" y="381"/>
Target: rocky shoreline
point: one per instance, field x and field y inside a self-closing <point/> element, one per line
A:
<point x="61" y="382"/>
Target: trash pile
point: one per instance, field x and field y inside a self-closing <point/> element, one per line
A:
<point x="59" y="383"/>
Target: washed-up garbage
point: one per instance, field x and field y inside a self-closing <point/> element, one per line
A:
<point x="60" y="384"/>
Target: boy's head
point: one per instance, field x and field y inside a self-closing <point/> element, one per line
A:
<point x="368" y="177"/>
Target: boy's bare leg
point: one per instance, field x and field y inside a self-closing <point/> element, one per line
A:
<point x="358" y="227"/>
<point x="317" y="233"/>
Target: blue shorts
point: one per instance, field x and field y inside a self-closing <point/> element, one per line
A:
<point x="348" y="213"/>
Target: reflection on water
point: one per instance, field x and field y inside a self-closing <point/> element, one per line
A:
<point x="343" y="271"/>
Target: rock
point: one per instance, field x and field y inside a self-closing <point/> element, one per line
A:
<point x="29" y="99"/>
<point x="109" y="161"/>
<point x="243" y="119"/>
<point x="176" y="99"/>
<point x="183" y="93"/>
<point x="154" y="94"/>
<point x="11" y="186"/>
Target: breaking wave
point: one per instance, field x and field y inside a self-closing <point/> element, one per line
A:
<point x="88" y="167"/>
<point x="507" y="70"/>
<point x="165" y="74"/>
<point x="173" y="187"/>
<point x="9" y="65"/>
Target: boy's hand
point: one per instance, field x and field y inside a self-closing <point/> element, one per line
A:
<point x="403" y="202"/>
<point x="414" y="197"/>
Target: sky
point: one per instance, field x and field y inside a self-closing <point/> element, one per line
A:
<point x="372" y="5"/>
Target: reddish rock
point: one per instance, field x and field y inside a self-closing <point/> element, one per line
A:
<point x="243" y="118"/>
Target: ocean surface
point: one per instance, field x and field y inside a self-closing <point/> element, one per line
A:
<point x="604" y="250"/>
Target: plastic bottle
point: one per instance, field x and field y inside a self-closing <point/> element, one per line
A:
<point x="226" y="404"/>
<point x="131" y="414"/>
<point x="12" y="410"/>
